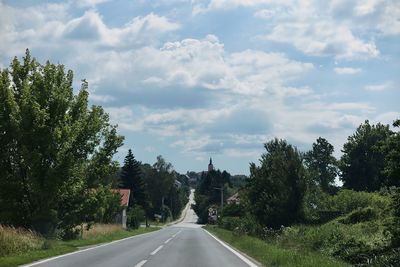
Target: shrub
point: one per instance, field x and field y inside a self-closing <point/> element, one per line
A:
<point x="135" y="216"/>
<point x="394" y="225"/>
<point x="229" y="223"/>
<point x="348" y="200"/>
<point x="359" y="215"/>
<point x="233" y="210"/>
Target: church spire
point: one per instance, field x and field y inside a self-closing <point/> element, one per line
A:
<point x="210" y="166"/>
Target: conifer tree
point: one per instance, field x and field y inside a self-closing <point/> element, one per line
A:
<point x="131" y="178"/>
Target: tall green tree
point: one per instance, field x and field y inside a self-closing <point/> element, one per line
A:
<point x="322" y="164"/>
<point x="363" y="159"/>
<point x="131" y="178"/>
<point x="391" y="149"/>
<point x="53" y="146"/>
<point x="276" y="188"/>
<point x="159" y="180"/>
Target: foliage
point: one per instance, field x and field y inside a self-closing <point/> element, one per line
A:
<point x="201" y="206"/>
<point x="394" y="225"/>
<point x="276" y="189"/>
<point x="166" y="189"/>
<point x="208" y="192"/>
<point x="391" y="148"/>
<point x="96" y="205"/>
<point x="348" y="200"/>
<point x="360" y="215"/>
<point x="233" y="210"/>
<point x="159" y="182"/>
<point x="135" y="216"/>
<point x="53" y="146"/>
<point x="322" y="164"/>
<point x="131" y="178"/>
<point x="363" y="160"/>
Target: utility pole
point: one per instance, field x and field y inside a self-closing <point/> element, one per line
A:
<point x="221" y="189"/>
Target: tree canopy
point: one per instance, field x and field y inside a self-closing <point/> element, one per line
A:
<point x="363" y="159"/>
<point x="54" y="147"/>
<point x="276" y="188"/>
<point x="131" y="178"/>
<point x="322" y="164"/>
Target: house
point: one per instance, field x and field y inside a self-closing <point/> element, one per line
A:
<point x="234" y="199"/>
<point x="121" y="217"/>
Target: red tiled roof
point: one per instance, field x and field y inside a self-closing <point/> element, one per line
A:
<point x="124" y="195"/>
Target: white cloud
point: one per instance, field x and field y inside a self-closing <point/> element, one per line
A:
<point x="201" y="7"/>
<point x="101" y="98"/>
<point x="347" y="71"/>
<point x="88" y="3"/>
<point x="379" y="87"/>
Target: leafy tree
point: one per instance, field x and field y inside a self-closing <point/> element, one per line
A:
<point x="276" y="188"/>
<point x="363" y="160"/>
<point x="131" y="178"/>
<point x="53" y="146"/>
<point x="392" y="158"/>
<point x="159" y="180"/>
<point x="321" y="164"/>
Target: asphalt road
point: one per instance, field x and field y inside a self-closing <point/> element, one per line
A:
<point x="184" y="244"/>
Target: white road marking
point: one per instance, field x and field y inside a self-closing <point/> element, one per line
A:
<point x="243" y="258"/>
<point x="168" y="240"/>
<point x="156" y="250"/>
<point x="176" y="233"/>
<point x="83" y="250"/>
<point x="140" y="264"/>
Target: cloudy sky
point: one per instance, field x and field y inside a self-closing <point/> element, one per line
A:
<point x="190" y="79"/>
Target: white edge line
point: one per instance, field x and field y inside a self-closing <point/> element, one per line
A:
<point x="243" y="258"/>
<point x="83" y="250"/>
<point x="140" y="264"/>
<point x="157" y="250"/>
<point x="168" y="240"/>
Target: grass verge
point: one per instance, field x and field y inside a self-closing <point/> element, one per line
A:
<point x="272" y="255"/>
<point x="52" y="248"/>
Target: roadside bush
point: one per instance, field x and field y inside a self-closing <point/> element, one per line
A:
<point x="233" y="210"/>
<point x="348" y="200"/>
<point x="394" y="225"/>
<point x="359" y="215"/>
<point x="135" y="216"/>
<point x="354" y="251"/>
<point x="229" y="223"/>
<point x="165" y="213"/>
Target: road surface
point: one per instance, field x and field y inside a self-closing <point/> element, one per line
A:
<point x="184" y="244"/>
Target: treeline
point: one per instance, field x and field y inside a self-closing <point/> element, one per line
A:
<point x="157" y="192"/>
<point x="291" y="196"/>
<point x="56" y="158"/>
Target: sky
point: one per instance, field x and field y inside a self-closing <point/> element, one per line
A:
<point x="194" y="79"/>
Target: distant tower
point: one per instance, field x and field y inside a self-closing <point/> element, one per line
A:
<point x="210" y="166"/>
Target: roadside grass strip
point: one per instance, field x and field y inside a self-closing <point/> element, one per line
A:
<point x="63" y="248"/>
<point x="272" y="255"/>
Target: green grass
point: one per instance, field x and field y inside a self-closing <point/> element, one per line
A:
<point x="272" y="255"/>
<point x="52" y="248"/>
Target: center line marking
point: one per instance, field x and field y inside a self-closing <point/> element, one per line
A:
<point x="176" y="233"/>
<point x="168" y="240"/>
<point x="140" y="264"/>
<point x="156" y="250"/>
